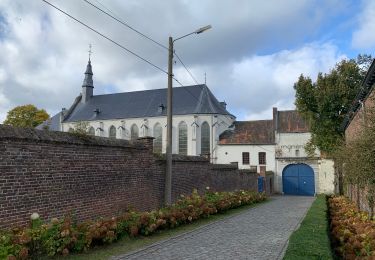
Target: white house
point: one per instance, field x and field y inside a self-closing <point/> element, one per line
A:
<point x="278" y="145"/>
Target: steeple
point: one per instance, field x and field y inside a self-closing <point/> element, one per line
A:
<point x="88" y="85"/>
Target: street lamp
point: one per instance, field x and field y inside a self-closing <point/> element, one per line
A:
<point x="168" y="176"/>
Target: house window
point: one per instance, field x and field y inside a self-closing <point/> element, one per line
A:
<point x="134" y="132"/>
<point x="245" y="158"/>
<point x="158" y="138"/>
<point x="91" y="131"/>
<point x="262" y="158"/>
<point x="182" y="138"/>
<point x="297" y="153"/>
<point x="205" y="139"/>
<point x="71" y="130"/>
<point x="112" y="132"/>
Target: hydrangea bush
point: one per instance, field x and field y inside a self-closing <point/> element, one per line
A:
<point x="62" y="236"/>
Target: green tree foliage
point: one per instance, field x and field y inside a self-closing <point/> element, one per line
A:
<point x="325" y="102"/>
<point x="26" y="116"/>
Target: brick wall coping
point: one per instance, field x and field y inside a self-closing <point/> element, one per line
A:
<point x="17" y="133"/>
<point x="182" y="158"/>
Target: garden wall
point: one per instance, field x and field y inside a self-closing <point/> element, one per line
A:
<point x="56" y="173"/>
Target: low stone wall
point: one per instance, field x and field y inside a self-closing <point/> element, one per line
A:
<point x="56" y="174"/>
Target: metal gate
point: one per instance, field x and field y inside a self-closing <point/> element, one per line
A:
<point x="260" y="184"/>
<point x="298" y="179"/>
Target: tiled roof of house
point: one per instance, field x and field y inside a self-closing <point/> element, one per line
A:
<point x="291" y="122"/>
<point x="249" y="132"/>
<point x="196" y="99"/>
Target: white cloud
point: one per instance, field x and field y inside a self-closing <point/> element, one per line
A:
<point x="44" y="53"/>
<point x="364" y="36"/>
<point x="262" y="82"/>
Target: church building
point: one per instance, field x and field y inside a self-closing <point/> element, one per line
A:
<point x="198" y="117"/>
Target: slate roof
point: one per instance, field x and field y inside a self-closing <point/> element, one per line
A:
<point x="249" y="132"/>
<point x="52" y="124"/>
<point x="196" y="99"/>
<point x="290" y="121"/>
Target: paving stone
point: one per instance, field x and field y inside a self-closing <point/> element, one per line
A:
<point x="261" y="232"/>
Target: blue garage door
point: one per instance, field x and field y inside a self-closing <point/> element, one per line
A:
<point x="298" y="179"/>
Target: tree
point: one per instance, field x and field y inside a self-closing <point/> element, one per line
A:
<point x="325" y="102"/>
<point x="26" y="116"/>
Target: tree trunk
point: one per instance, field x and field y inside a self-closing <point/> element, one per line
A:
<point x="339" y="176"/>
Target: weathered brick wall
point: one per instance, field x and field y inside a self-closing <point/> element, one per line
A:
<point x="358" y="120"/>
<point x="56" y="174"/>
<point x="355" y="193"/>
<point x="195" y="172"/>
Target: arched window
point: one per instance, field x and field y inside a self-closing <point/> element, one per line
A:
<point x="91" y="131"/>
<point x="205" y="139"/>
<point x="134" y="132"/>
<point x="182" y="138"/>
<point x="112" y="132"/>
<point x="158" y="138"/>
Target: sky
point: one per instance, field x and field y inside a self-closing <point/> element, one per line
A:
<point x="250" y="59"/>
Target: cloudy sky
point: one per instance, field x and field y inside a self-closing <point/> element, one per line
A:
<point x="251" y="57"/>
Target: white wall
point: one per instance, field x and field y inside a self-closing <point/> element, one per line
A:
<point x="292" y="145"/>
<point x="217" y="123"/>
<point x="228" y="153"/>
<point x="326" y="176"/>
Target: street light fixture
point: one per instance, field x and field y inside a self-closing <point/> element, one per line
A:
<point x="168" y="176"/>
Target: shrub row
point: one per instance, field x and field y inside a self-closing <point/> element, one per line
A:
<point x="353" y="233"/>
<point x="62" y="236"/>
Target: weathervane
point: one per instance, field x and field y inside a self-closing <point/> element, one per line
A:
<point x="90" y="51"/>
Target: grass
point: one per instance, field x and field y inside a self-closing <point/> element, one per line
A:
<point x="126" y="244"/>
<point x="311" y="240"/>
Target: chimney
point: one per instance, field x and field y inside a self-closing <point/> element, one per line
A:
<point x="275" y="118"/>
<point x="223" y="104"/>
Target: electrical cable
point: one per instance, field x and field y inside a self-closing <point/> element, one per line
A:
<point x="137" y="31"/>
<point x="106" y="37"/>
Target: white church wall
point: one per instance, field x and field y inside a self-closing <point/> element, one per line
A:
<point x="145" y="128"/>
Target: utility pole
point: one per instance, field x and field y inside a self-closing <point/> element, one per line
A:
<point x="168" y="176"/>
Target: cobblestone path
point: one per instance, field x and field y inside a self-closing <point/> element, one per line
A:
<point x="261" y="232"/>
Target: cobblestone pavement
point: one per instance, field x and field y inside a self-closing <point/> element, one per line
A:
<point x="261" y="232"/>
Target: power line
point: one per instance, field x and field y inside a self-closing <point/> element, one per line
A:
<point x="125" y="24"/>
<point x="107" y="38"/>
<point x="137" y="31"/>
<point x="191" y="75"/>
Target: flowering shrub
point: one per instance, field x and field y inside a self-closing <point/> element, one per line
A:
<point x="60" y="237"/>
<point x="353" y="233"/>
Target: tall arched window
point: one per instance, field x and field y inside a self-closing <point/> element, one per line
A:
<point x="112" y="132"/>
<point x="134" y="132"/>
<point x="158" y="138"/>
<point x="182" y="138"/>
<point x="205" y="138"/>
<point x="91" y="131"/>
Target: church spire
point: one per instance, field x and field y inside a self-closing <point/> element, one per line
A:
<point x="88" y="84"/>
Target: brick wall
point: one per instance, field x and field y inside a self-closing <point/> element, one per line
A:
<point x="359" y="118"/>
<point x="355" y="193"/>
<point x="55" y="174"/>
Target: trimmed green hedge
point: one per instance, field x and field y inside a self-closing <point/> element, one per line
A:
<point x="311" y="240"/>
